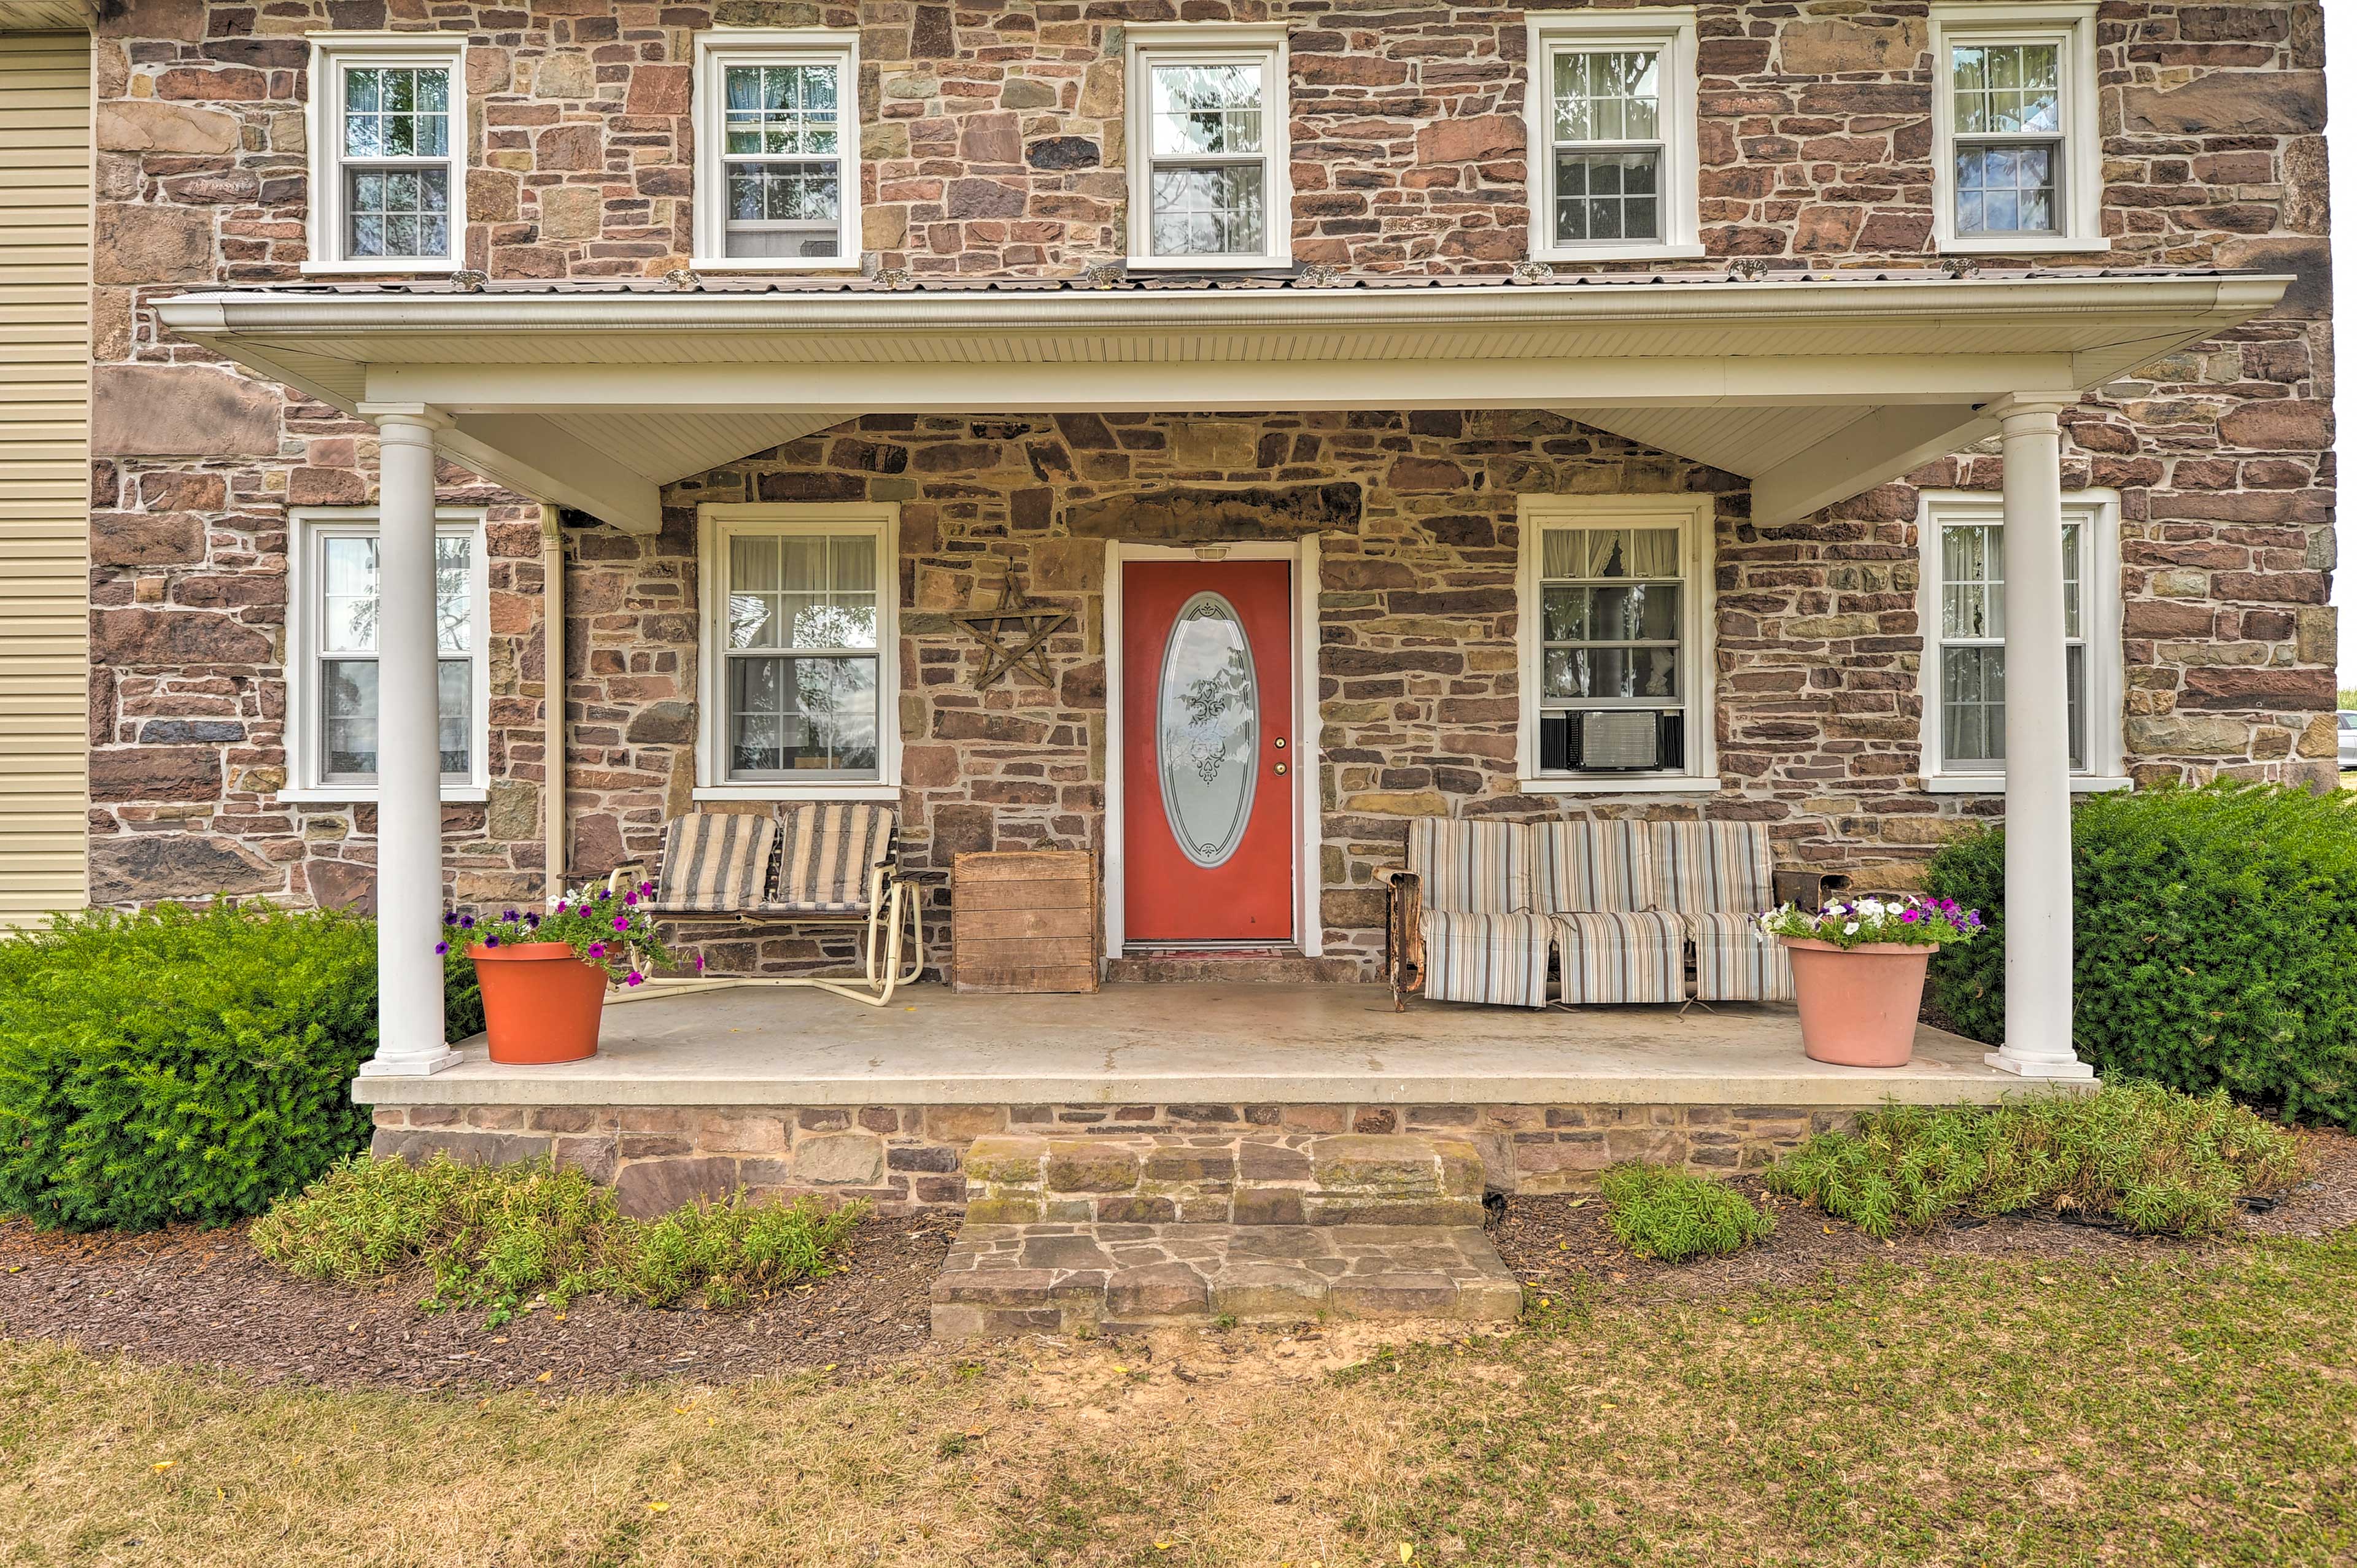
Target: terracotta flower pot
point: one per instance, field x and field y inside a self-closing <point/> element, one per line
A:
<point x="1858" y="1005"/>
<point x="541" y="1004"/>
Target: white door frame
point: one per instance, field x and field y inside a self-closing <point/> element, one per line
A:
<point x="1308" y="752"/>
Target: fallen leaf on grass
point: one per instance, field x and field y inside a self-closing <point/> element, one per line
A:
<point x="163" y="1465"/>
<point x="544" y="1377"/>
<point x="657" y="1507"/>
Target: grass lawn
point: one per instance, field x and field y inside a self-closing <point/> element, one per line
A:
<point x="2181" y="1406"/>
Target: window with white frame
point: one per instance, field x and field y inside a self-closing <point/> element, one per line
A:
<point x="778" y="158"/>
<point x="2018" y="159"/>
<point x="1964" y="663"/>
<point x="1613" y="148"/>
<point x="388" y="116"/>
<point x="1208" y="147"/>
<point x="1615" y="596"/>
<point x="333" y="651"/>
<point x="800" y="648"/>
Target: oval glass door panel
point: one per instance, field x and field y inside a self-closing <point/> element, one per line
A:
<point x="1207" y="729"/>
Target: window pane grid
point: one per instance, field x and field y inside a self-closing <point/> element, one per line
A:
<point x="1611" y="625"/>
<point x="802" y="654"/>
<point x="1608" y="147"/>
<point x="1971" y="646"/>
<point x="782" y="163"/>
<point x="346" y="600"/>
<point x="1208" y="177"/>
<point x="2008" y="127"/>
<point x="395" y="155"/>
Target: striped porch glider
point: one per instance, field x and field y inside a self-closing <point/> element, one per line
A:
<point x="1598" y="894"/>
<point x="1717" y="877"/>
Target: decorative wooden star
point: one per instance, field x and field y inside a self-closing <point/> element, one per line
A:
<point x="1013" y="640"/>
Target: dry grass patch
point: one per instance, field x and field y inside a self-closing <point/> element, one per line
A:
<point x="2180" y="1407"/>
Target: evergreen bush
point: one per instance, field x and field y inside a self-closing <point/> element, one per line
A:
<point x="2216" y="943"/>
<point x="185" y="1064"/>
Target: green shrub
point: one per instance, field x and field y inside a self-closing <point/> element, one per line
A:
<point x="185" y="1064"/>
<point x="2153" y="1159"/>
<point x="497" y="1236"/>
<point x="1658" y="1211"/>
<point x="2216" y="943"/>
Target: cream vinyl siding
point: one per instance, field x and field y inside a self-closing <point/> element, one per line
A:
<point x="44" y="471"/>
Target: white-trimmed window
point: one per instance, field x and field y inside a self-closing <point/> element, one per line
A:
<point x="332" y="653"/>
<point x="388" y="128"/>
<point x="1615" y="595"/>
<point x="1209" y="149"/>
<point x="2016" y="161"/>
<point x="777" y="166"/>
<point x="1614" y="150"/>
<point x="1963" y="608"/>
<point x="800" y="651"/>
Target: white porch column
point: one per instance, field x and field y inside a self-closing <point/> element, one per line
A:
<point x="409" y="776"/>
<point x="2038" y="954"/>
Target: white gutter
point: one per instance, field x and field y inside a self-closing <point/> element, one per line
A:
<point x="290" y="314"/>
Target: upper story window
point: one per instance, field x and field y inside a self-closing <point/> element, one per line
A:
<point x="799" y="650"/>
<point x="332" y="656"/>
<point x="388" y="152"/>
<point x="1614" y="163"/>
<point x="1963" y="601"/>
<point x="777" y="150"/>
<point x="1208" y="146"/>
<point x="2017" y="165"/>
<point x="1614" y="593"/>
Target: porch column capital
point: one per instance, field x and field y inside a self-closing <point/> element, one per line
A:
<point x="2042" y="406"/>
<point x="413" y="421"/>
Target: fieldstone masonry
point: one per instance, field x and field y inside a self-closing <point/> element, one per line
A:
<point x="995" y="141"/>
<point x="1100" y="1164"/>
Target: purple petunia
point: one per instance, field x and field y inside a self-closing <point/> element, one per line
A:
<point x="635" y="977"/>
<point x="531" y="921"/>
<point x="647" y="887"/>
<point x="449" y="918"/>
<point x="560" y="906"/>
<point x="1911" y="916"/>
<point x="597" y="950"/>
<point x="441" y="947"/>
<point x="630" y="898"/>
<point x="699" y="963"/>
<point x="466" y="922"/>
<point x="491" y="941"/>
<point x="507" y="914"/>
<point x="622" y="922"/>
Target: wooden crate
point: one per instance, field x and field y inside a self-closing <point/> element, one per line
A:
<point x="1024" y="922"/>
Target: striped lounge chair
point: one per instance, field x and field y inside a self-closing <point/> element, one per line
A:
<point x="835" y="863"/>
<point x="1716" y="876"/>
<point x="1604" y="909"/>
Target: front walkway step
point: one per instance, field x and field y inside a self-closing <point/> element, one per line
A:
<point x="1084" y="1279"/>
<point x="1176" y="966"/>
<point x="1251" y="1176"/>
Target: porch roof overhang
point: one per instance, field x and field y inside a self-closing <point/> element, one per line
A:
<point x="1813" y="386"/>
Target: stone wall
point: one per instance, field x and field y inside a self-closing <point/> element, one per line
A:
<point x="904" y="1157"/>
<point x="983" y="123"/>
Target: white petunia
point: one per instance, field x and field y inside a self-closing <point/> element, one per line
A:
<point x="1850" y="930"/>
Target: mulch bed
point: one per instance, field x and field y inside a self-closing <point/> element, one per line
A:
<point x="1567" y="1239"/>
<point x="191" y="1296"/>
<point x="205" y="1297"/>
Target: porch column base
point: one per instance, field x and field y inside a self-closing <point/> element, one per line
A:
<point x="2071" y="1071"/>
<point x="418" y="1065"/>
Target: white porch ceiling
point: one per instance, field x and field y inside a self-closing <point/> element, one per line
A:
<point x="1812" y="386"/>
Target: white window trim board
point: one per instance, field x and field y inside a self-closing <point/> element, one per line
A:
<point x="1208" y="42"/>
<point x="2101" y="605"/>
<point x="307" y="525"/>
<point x="714" y="522"/>
<point x="2071" y="23"/>
<point x="1671" y="30"/>
<point x="324" y="220"/>
<point x="1697" y="517"/>
<point x="717" y="48"/>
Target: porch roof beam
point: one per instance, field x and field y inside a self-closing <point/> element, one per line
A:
<point x="1859" y="455"/>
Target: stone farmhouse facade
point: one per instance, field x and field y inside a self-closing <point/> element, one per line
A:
<point x="1797" y="144"/>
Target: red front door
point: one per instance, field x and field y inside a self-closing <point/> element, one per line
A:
<point x="1207" y="764"/>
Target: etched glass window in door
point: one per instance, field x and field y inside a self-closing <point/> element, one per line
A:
<point x="346" y="646"/>
<point x="800" y="652"/>
<point x="1207" y="729"/>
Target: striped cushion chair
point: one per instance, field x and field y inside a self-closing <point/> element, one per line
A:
<point x="1718" y="876"/>
<point x="834" y="858"/>
<point x="1594" y="886"/>
<point x="1481" y="941"/>
<point x="714" y="863"/>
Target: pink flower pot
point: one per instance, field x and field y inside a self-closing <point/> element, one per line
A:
<point x="1858" y="1005"/>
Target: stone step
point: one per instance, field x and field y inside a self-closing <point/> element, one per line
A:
<point x="1249" y="1176"/>
<point x="1088" y="1279"/>
<point x="1181" y="966"/>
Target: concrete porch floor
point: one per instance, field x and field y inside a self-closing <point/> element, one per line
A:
<point x="1163" y="1045"/>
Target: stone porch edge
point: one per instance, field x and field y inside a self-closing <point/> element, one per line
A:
<point x="476" y="1082"/>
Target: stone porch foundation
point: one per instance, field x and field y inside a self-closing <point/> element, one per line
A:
<point x="905" y="1157"/>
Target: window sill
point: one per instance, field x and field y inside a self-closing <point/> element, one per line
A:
<point x="379" y="267"/>
<point x="1204" y="264"/>
<point x="1993" y="783"/>
<point x="2020" y="245"/>
<point x="1636" y="784"/>
<point x="826" y="790"/>
<point x="1665" y="253"/>
<point x="726" y="264"/>
<point x="365" y="795"/>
